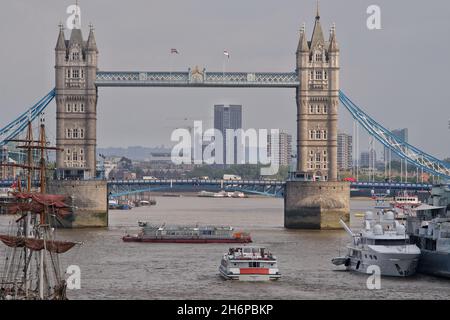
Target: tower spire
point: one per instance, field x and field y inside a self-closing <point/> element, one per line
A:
<point x="317" y="11"/>
<point x="77" y="20"/>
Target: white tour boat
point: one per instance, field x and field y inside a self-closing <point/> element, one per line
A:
<point x="249" y="264"/>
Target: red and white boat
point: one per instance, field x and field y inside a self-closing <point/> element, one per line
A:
<point x="249" y="264"/>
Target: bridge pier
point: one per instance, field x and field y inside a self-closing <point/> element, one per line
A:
<point x="89" y="202"/>
<point x="316" y="204"/>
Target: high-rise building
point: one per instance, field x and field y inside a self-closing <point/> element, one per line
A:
<point x="344" y="151"/>
<point x="317" y="104"/>
<point x="368" y="159"/>
<point x="228" y="117"/>
<point x="401" y="134"/>
<point x="282" y="149"/>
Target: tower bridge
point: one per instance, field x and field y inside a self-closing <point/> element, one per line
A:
<point x="313" y="199"/>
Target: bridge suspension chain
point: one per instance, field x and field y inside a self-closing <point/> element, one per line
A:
<point x="404" y="150"/>
<point x="17" y="126"/>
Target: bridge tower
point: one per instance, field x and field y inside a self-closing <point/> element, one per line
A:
<point x="76" y="104"/>
<point x="314" y="199"/>
<point x="317" y="104"/>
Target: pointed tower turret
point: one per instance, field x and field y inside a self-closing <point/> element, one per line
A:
<point x="91" y="44"/>
<point x="61" y="43"/>
<point x="334" y="46"/>
<point x="303" y="42"/>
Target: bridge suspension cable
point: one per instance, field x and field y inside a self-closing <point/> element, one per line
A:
<point x="15" y="127"/>
<point x="405" y="151"/>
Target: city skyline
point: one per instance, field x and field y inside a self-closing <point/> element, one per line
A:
<point x="361" y="59"/>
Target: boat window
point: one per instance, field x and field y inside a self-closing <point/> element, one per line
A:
<point x="384" y="242"/>
<point x="375" y="257"/>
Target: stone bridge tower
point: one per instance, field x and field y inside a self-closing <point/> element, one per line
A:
<point x="317" y="105"/>
<point x="314" y="199"/>
<point x="76" y="103"/>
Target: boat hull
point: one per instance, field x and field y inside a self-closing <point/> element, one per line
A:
<point x="389" y="264"/>
<point x="185" y="240"/>
<point x="434" y="263"/>
<point x="400" y="264"/>
<point x="249" y="276"/>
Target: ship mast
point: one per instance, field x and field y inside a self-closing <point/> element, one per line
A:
<point x="41" y="230"/>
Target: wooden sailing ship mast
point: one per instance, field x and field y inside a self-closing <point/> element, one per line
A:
<point x="34" y="239"/>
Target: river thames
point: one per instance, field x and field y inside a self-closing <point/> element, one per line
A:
<point x="112" y="269"/>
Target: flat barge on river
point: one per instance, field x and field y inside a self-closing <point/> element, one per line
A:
<point x="187" y="234"/>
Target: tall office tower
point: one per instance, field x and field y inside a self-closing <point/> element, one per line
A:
<point x="368" y="159"/>
<point x="344" y="151"/>
<point x="282" y="150"/>
<point x="401" y="134"/>
<point x="228" y="117"/>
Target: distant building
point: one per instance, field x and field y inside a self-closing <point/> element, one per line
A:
<point x="108" y="166"/>
<point x="344" y="151"/>
<point x="401" y="134"/>
<point x="228" y="117"/>
<point x="368" y="159"/>
<point x="282" y="150"/>
<point x="7" y="173"/>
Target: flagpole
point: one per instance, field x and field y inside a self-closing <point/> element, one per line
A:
<point x="171" y="66"/>
<point x="223" y="67"/>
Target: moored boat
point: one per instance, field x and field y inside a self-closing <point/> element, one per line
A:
<point x="382" y="242"/>
<point x="187" y="234"/>
<point x="428" y="226"/>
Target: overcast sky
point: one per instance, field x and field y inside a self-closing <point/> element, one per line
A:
<point x="398" y="74"/>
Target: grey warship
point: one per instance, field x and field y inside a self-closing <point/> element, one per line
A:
<point x="429" y="228"/>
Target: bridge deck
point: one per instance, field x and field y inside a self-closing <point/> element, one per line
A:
<point x="197" y="79"/>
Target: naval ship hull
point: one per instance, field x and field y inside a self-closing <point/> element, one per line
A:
<point x="434" y="263"/>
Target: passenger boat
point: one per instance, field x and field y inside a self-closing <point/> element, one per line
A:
<point x="382" y="242"/>
<point x="249" y="264"/>
<point x="187" y="234"/>
<point x="406" y="200"/>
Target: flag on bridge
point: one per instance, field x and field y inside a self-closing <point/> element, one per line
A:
<point x="226" y="53"/>
<point x="173" y="50"/>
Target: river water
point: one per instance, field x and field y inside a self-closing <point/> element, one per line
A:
<point x="112" y="269"/>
